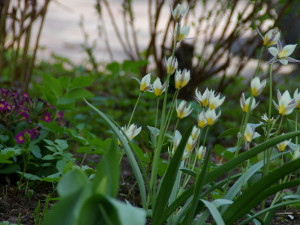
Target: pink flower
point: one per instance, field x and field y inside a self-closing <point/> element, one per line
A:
<point x="20" y="138"/>
<point x="3" y="106"/>
<point x="47" y="117"/>
<point x="60" y="115"/>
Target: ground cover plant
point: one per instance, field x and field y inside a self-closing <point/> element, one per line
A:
<point x="188" y="166"/>
<point x="192" y="189"/>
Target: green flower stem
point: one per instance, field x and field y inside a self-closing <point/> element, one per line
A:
<point x="161" y="136"/>
<point x="156" y="117"/>
<point x="206" y="132"/>
<point x="268" y="152"/>
<point x="245" y="121"/>
<point x="137" y="101"/>
<point x="296" y="127"/>
<point x="170" y="112"/>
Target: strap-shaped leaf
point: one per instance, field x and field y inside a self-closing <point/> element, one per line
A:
<point x="169" y="179"/>
<point x="200" y="182"/>
<point x="136" y="169"/>
<point x="262" y="212"/>
<point x="225" y="168"/>
<point x="247" y="155"/>
<point x="214" y="212"/>
<point x="254" y="194"/>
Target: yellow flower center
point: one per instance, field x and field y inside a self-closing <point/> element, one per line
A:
<point x="212" y="106"/>
<point x="282" y="110"/>
<point x="180" y="114"/>
<point x="282" y="54"/>
<point x="245" y="108"/>
<point x="157" y="92"/>
<point x="254" y="92"/>
<point x="248" y="137"/>
<point x="281" y="147"/>
<point x="210" y="121"/>
<point x="199" y="156"/>
<point x="298" y="106"/>
<point x="204" y="103"/>
<point x="188" y="147"/>
<point x="201" y="123"/>
<point x="144" y="87"/>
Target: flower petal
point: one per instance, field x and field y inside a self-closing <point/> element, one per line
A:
<point x="273" y="51"/>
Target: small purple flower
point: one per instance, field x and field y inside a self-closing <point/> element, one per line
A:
<point x="20" y="138"/>
<point x="60" y="115"/>
<point x="9" y="107"/>
<point x="47" y="117"/>
<point x="35" y="132"/>
<point x="3" y="106"/>
<point x="25" y="97"/>
<point x="4" y="91"/>
<point x="52" y="107"/>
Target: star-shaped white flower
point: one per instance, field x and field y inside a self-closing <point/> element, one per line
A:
<point x="283" y="54"/>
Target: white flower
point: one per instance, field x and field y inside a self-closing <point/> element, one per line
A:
<point x="202" y="121"/>
<point x="250" y="134"/>
<point x="257" y="86"/>
<point x="195" y="132"/>
<point x="271" y="37"/>
<point x="182" y="78"/>
<point x="245" y="103"/>
<point x="158" y="88"/>
<point x="182" y="110"/>
<point x="211" y="116"/>
<point x="186" y="154"/>
<point x="286" y="104"/>
<point x="144" y="83"/>
<point x="176" y="140"/>
<point x="181" y="32"/>
<point x="131" y="132"/>
<point x="202" y="98"/>
<point x="201" y="152"/>
<point x="296" y="153"/>
<point x="171" y="65"/>
<point x="215" y="101"/>
<point x="179" y="12"/>
<point x="282" y="54"/>
<point x="282" y="145"/>
<point x="190" y="145"/>
<point x="297" y="98"/>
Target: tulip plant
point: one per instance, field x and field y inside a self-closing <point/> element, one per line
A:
<point x="186" y="192"/>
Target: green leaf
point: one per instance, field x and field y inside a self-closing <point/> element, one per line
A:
<point x="4" y="138"/>
<point x="78" y="93"/>
<point x="200" y="182"/>
<point x="129" y="152"/>
<point x="63" y="212"/>
<point x="169" y="179"/>
<point x="82" y="81"/>
<point x="220" y="171"/>
<point x="128" y="214"/>
<point x="53" y="85"/>
<point x="259" y="191"/>
<point x="106" y="180"/>
<point x="64" y="81"/>
<point x="72" y="182"/>
<point x="230" y="132"/>
<point x="214" y="212"/>
<point x="35" y="150"/>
